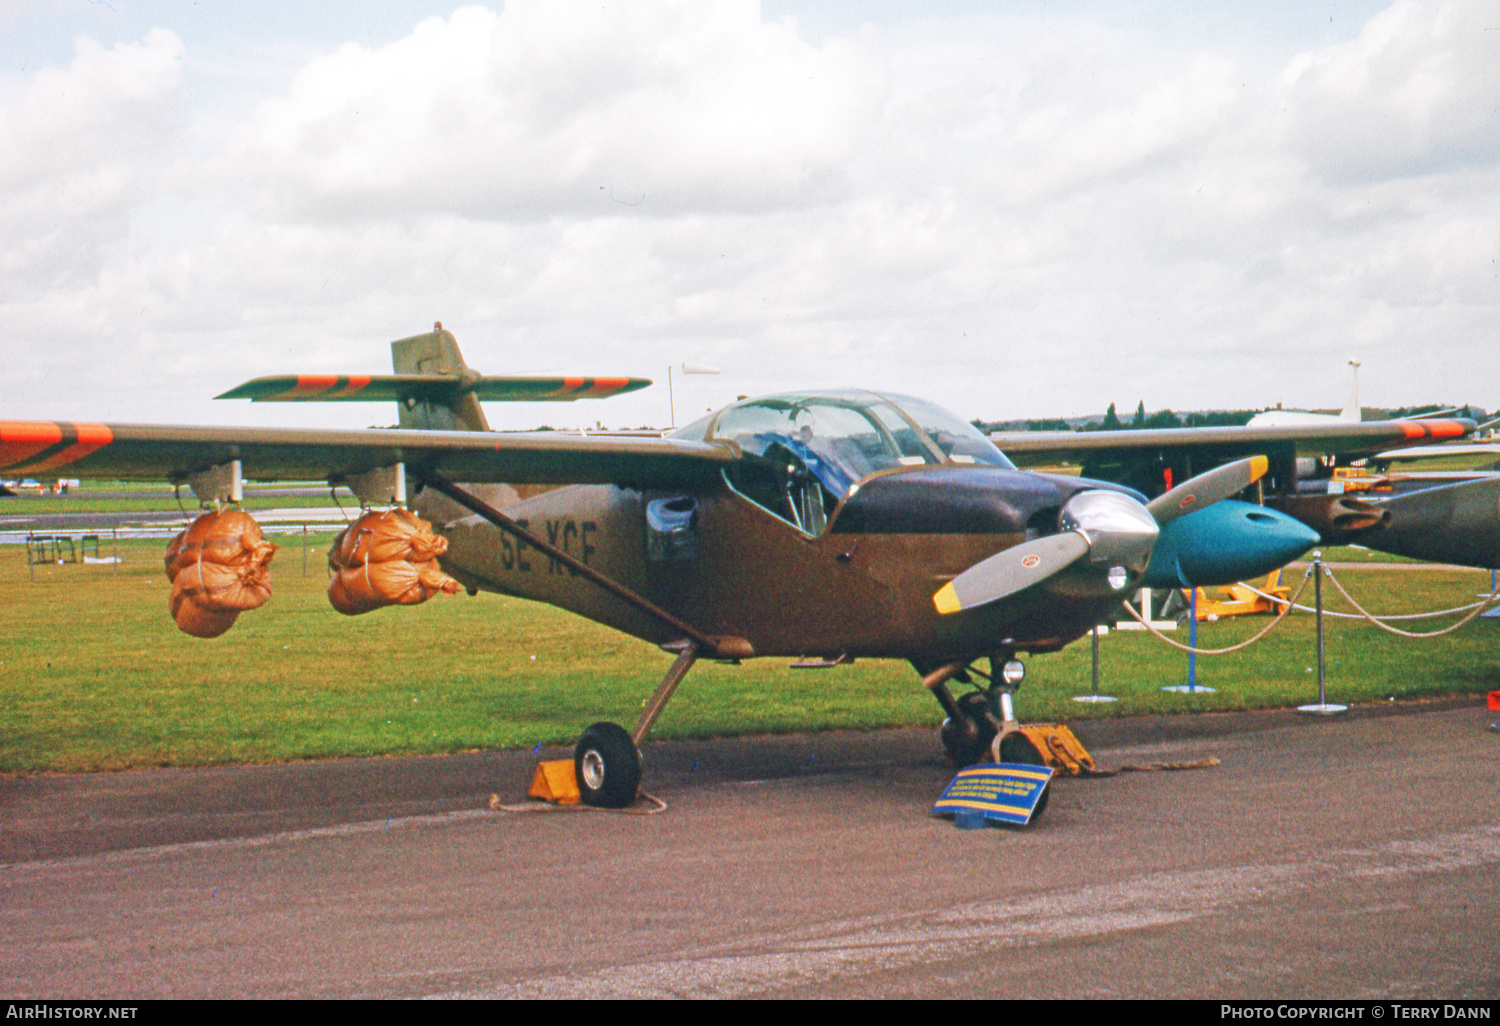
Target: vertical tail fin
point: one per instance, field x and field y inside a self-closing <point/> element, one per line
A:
<point x="1351" y="411"/>
<point x="437" y="353"/>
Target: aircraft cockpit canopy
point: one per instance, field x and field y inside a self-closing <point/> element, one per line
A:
<point x="835" y="439"/>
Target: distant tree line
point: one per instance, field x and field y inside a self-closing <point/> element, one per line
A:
<point x="1208" y="418"/>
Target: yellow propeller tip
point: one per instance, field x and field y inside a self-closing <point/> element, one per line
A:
<point x="946" y="600"/>
<point x="1258" y="467"/>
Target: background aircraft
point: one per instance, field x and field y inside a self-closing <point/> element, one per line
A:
<point x="1445" y="520"/>
<point x="824" y="526"/>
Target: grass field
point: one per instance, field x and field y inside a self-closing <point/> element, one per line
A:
<point x="147" y="497"/>
<point x="96" y="676"/>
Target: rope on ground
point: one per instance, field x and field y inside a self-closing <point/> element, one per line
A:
<point x="1478" y="608"/>
<point x="645" y="805"/>
<point x="1154" y="767"/>
<point x="1289" y="603"/>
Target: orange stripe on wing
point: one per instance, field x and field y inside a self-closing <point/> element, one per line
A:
<point x="310" y="385"/>
<point x="1446" y="428"/>
<point x="357" y="383"/>
<point x="84" y="439"/>
<point x="22" y="439"/>
<point x="606" y="386"/>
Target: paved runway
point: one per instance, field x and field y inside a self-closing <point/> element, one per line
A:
<point x="1355" y="857"/>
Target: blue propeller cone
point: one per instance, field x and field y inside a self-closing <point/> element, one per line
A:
<point x="1227" y="542"/>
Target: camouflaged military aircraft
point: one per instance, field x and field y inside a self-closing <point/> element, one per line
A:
<point x="823" y="526"/>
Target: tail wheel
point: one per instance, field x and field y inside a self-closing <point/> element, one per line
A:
<point x="607" y="766"/>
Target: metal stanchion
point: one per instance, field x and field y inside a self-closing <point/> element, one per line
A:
<point x="1191" y="687"/>
<point x="1094" y="696"/>
<point x="304" y="550"/>
<point x="1322" y="708"/>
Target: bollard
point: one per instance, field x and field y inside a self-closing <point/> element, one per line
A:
<point x="1322" y="708"/>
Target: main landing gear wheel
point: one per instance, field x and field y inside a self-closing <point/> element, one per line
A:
<point x="607" y="766"/>
<point x="963" y="748"/>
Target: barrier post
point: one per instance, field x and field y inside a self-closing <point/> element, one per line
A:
<point x="1193" y="641"/>
<point x="1191" y="687"/>
<point x="1322" y="708"/>
<point x="1094" y="695"/>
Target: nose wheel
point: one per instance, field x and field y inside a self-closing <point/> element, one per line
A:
<point x="981" y="725"/>
<point x="968" y="736"/>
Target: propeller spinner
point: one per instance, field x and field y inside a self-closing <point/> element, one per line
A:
<point x="1114" y="531"/>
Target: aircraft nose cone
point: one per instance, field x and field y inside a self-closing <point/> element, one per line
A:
<point x="1227" y="542"/>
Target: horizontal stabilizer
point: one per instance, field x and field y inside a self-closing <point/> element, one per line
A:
<point x="358" y="388"/>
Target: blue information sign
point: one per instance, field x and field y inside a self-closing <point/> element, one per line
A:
<point x="1004" y="792"/>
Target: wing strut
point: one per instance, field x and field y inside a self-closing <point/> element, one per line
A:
<point x="727" y="648"/>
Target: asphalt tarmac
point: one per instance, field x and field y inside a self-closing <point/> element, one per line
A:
<point x="1355" y="856"/>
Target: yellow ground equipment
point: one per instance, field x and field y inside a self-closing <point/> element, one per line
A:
<point x="1238" y="600"/>
<point x="1060" y="748"/>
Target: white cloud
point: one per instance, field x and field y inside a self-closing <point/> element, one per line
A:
<point x="1418" y="92"/>
<point x="77" y="143"/>
<point x="553" y="107"/>
<point x="1016" y="216"/>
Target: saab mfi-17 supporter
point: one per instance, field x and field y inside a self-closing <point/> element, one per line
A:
<point x="823" y="526"/>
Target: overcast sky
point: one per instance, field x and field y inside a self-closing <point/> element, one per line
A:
<point x="1015" y="209"/>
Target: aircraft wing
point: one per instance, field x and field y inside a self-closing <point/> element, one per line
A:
<point x="1035" y="448"/>
<point x="1424" y="451"/>
<point x="127" y="452"/>
<point x="362" y="388"/>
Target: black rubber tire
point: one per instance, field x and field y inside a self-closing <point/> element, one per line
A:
<point x="961" y="749"/>
<point x="607" y="766"/>
<point x="1018" y="748"/>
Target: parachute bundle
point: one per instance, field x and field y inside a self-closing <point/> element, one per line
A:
<point x="219" y="567"/>
<point x="386" y="558"/>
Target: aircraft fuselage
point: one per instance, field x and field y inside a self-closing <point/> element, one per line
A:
<point x="862" y="591"/>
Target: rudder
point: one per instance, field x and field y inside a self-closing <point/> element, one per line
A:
<point x="437" y="352"/>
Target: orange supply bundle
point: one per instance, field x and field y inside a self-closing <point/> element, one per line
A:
<point x="386" y="558"/>
<point x="219" y="567"/>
